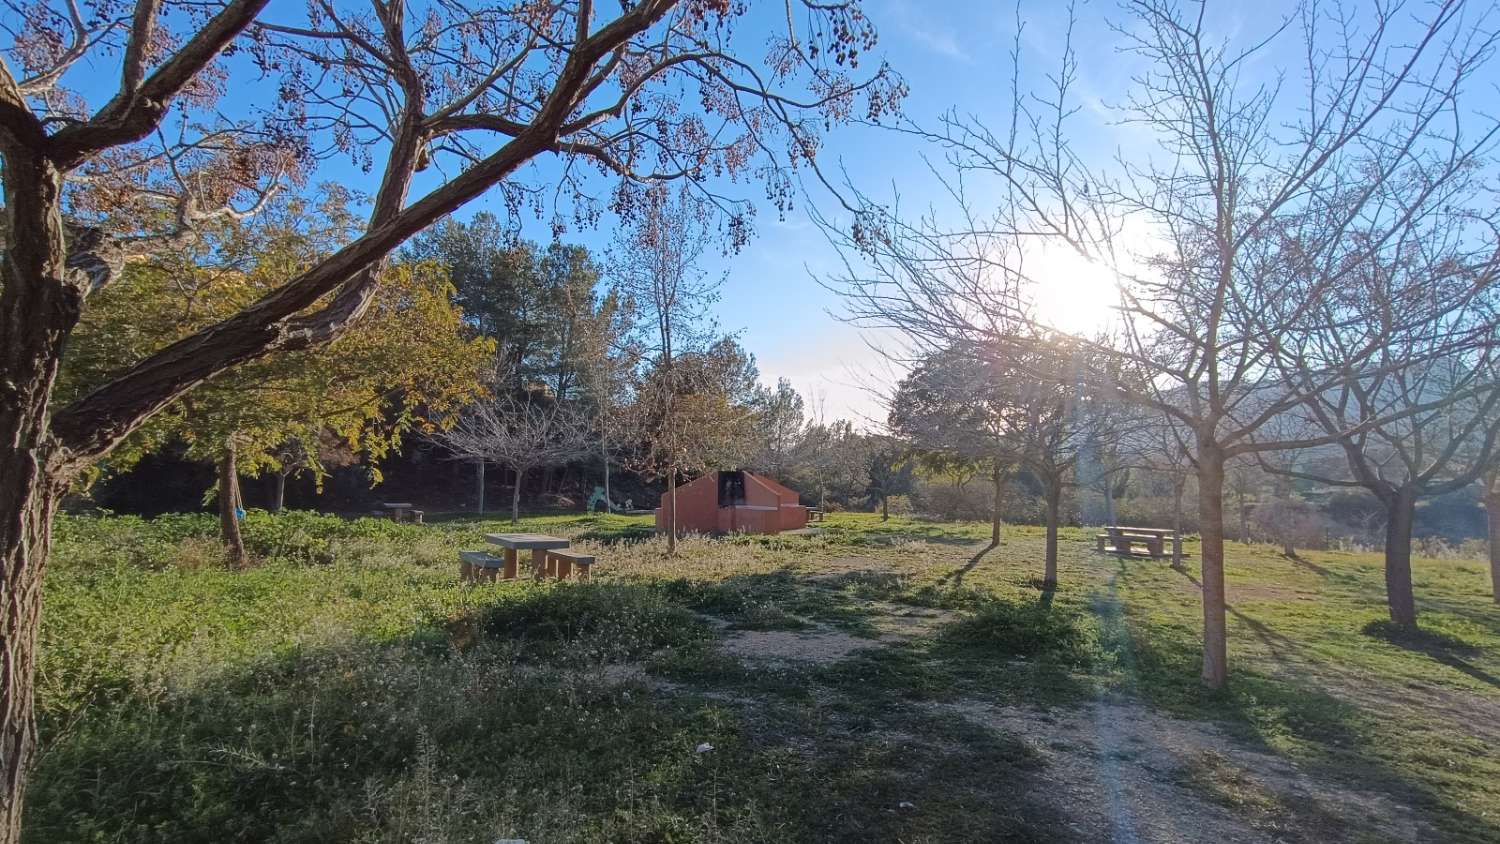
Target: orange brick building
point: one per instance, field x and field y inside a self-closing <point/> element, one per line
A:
<point x="733" y="502"/>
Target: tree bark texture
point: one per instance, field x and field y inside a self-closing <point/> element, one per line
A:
<point x="1211" y="529"/>
<point x="515" y="496"/>
<point x="1399" y="515"/>
<point x="1492" y="516"/>
<point x="278" y="499"/>
<point x="1054" y="514"/>
<point x="998" y="478"/>
<point x="229" y="507"/>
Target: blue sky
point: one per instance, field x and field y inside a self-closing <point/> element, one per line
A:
<point x="954" y="55"/>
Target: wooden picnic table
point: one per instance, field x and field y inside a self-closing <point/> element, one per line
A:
<point x="397" y="510"/>
<point x="1118" y="539"/>
<point x="537" y="543"/>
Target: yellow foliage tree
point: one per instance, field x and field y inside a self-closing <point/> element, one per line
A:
<point x="410" y="362"/>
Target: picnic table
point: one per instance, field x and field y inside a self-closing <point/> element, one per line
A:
<point x="402" y="511"/>
<point x="537" y="543"/>
<point x="1120" y="539"/>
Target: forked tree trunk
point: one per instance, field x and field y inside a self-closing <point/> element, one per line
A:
<point x="229" y="506"/>
<point x="672" y="516"/>
<point x="1400" y="512"/>
<point x="38" y="309"/>
<point x="1054" y="513"/>
<point x="1492" y="516"/>
<point x="998" y="477"/>
<point x="1211" y="531"/>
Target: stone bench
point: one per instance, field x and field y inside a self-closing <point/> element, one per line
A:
<point x="561" y="561"/>
<point x="477" y="566"/>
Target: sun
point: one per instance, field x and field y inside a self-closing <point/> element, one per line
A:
<point x="1071" y="293"/>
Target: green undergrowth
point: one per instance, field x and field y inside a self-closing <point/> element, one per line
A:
<point x="346" y="687"/>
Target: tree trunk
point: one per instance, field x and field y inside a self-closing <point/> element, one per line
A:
<point x="26" y="509"/>
<point x="479" y="486"/>
<point x="885" y="516"/>
<point x="1492" y="516"/>
<point x="1211" y="530"/>
<point x="1399" y="513"/>
<point x="1244" y="513"/>
<point x="1178" y="484"/>
<point x="515" y="496"/>
<point x="38" y="310"/>
<point x="672" y="519"/>
<point x="229" y="507"/>
<point x="998" y="478"/>
<point x="278" y="496"/>
<point x="1054" y="511"/>
<point x="609" y="506"/>
<point x="1109" y="500"/>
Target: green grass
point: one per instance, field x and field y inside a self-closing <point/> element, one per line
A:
<point x="347" y="688"/>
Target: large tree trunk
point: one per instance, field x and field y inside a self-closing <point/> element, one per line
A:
<point x="39" y="307"/>
<point x="1492" y="516"/>
<point x="998" y="478"/>
<point x="26" y="509"/>
<point x="1211" y="529"/>
<point x="672" y="516"/>
<point x="229" y="507"/>
<point x="1400" y="511"/>
<point x="1054" y="513"/>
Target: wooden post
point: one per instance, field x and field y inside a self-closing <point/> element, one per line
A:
<point x="510" y="564"/>
<point x="539" y="562"/>
<point x="564" y="567"/>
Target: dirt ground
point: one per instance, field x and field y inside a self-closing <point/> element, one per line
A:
<point x="1116" y="769"/>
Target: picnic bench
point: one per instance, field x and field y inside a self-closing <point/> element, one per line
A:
<point x="550" y="556"/>
<point x="1118" y="539"/>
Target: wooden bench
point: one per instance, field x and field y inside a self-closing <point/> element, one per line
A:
<point x="476" y="566"/>
<point x="561" y="561"/>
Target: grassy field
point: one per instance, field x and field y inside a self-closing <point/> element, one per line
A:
<point x="881" y="682"/>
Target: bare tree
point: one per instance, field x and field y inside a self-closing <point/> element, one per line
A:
<point x="520" y="432"/>
<point x="1419" y="419"/>
<point x="470" y="91"/>
<point x="1257" y="212"/>
<point x="657" y="264"/>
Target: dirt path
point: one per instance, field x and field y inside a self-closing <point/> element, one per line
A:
<point x="1115" y="769"/>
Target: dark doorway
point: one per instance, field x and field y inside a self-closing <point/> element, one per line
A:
<point x="731" y="488"/>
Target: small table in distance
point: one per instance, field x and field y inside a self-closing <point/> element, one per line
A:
<point x="398" y="511"/>
<point x="538" y="544"/>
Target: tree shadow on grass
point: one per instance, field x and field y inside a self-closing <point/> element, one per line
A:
<point x="956" y="577"/>
<point x="500" y="721"/>
<point x="1267" y="712"/>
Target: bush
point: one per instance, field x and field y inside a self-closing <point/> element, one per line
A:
<point x="1035" y="630"/>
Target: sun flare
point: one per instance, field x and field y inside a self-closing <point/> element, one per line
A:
<point x="1070" y="292"/>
